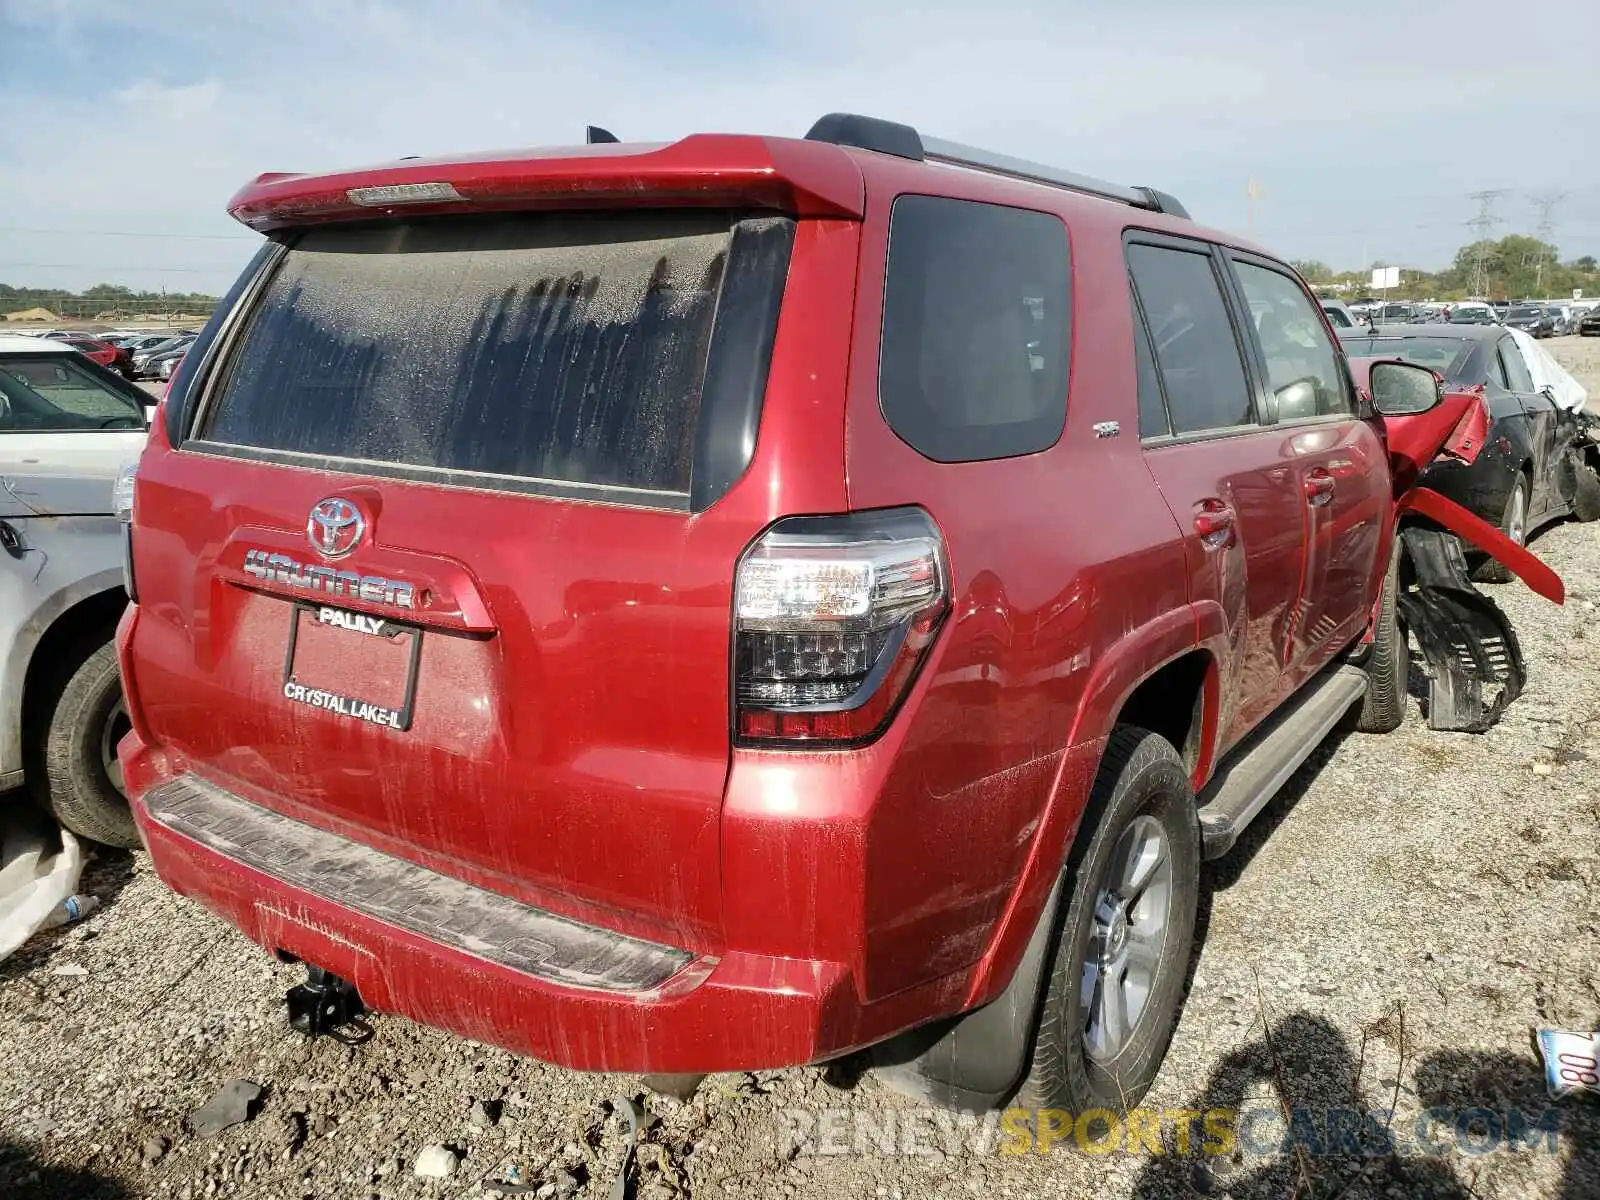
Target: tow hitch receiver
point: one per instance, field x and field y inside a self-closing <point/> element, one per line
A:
<point x="326" y="1004"/>
<point x="1465" y="637"/>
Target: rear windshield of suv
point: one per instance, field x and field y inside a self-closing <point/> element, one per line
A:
<point x="562" y="347"/>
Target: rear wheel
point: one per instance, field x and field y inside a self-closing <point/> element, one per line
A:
<point x="1388" y="661"/>
<point x="1586" y="492"/>
<point x="1514" y="524"/>
<point x="1116" y="978"/>
<point x="77" y="777"/>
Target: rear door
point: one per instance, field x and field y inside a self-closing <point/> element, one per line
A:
<point x="441" y="564"/>
<point x="1338" y="461"/>
<point x="1226" y="476"/>
<point x="1542" y="426"/>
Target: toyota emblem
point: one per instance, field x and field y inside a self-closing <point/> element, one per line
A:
<point x="336" y="527"/>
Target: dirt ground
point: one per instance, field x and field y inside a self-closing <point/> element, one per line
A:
<point x="1384" y="939"/>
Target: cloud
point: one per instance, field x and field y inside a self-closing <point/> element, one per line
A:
<point x="1346" y="118"/>
<point x="149" y="101"/>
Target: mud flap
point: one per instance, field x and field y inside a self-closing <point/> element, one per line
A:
<point x="974" y="1062"/>
<point x="1466" y="639"/>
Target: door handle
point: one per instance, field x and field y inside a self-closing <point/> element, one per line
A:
<point x="1319" y="487"/>
<point x="1214" y="521"/>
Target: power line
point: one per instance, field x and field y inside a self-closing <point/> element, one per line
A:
<point x="1547" y="203"/>
<point x="1482" y="226"/>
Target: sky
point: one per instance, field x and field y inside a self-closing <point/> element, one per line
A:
<point x="125" y="127"/>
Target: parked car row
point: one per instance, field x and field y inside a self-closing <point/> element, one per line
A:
<point x="160" y="360"/>
<point x="137" y="354"/>
<point x="1549" y="319"/>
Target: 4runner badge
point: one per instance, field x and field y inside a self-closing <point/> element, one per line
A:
<point x="270" y="567"/>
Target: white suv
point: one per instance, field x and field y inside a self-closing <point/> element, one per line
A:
<point x="67" y="427"/>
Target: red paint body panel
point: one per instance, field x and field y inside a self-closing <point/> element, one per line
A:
<point x="571" y="746"/>
<point x="1522" y="562"/>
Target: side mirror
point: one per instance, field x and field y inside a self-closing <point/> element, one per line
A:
<point x="1403" y="389"/>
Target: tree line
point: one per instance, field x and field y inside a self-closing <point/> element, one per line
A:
<point x="1513" y="268"/>
<point x="107" y="298"/>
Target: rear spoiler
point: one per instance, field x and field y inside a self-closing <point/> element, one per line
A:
<point x="807" y="179"/>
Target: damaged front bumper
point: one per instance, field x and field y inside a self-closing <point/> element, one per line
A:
<point x="1465" y="637"/>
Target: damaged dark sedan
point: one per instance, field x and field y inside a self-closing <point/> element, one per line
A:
<point x="1538" y="462"/>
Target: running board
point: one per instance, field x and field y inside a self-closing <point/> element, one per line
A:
<point x="1252" y="774"/>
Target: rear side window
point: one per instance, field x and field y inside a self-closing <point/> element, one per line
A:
<point x="1153" y="420"/>
<point x="1497" y="372"/>
<point x="976" y="329"/>
<point x="563" y="347"/>
<point x="1192" y="336"/>
<point x="1517" y="373"/>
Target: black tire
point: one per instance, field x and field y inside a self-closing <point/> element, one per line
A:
<point x="1493" y="570"/>
<point x="1388" y="661"/>
<point x="70" y="777"/>
<point x="1141" y="776"/>
<point x="1586" y="492"/>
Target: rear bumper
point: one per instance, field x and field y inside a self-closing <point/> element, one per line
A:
<point x="677" y="1012"/>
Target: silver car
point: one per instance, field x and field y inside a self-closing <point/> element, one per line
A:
<point x="67" y="428"/>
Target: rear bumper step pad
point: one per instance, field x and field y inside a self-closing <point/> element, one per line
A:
<point x="388" y="889"/>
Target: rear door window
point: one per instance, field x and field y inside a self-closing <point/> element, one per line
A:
<point x="1196" y="353"/>
<point x="567" y="348"/>
<point x="976" y="329"/>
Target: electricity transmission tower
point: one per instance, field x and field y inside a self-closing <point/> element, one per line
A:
<point x="1547" y="203"/>
<point x="1482" y="226"/>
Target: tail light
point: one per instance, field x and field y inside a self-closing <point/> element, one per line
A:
<point x="833" y="617"/>
<point x="122" y="505"/>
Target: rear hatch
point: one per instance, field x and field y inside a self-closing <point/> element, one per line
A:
<point x="441" y="564"/>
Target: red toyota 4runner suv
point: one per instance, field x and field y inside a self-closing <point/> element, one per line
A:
<point x="733" y="603"/>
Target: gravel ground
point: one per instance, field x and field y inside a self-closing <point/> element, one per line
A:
<point x="1384" y="939"/>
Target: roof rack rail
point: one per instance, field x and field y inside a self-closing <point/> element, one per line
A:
<point x="903" y="141"/>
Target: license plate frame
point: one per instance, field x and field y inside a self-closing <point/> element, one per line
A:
<point x="344" y="704"/>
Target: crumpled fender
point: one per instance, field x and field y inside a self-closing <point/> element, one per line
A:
<point x="1518" y="559"/>
<point x="1456" y="426"/>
